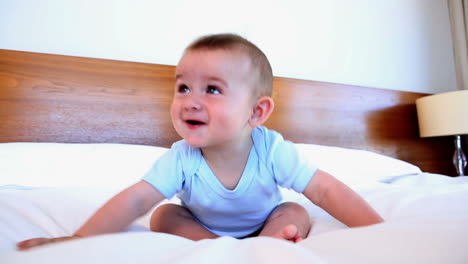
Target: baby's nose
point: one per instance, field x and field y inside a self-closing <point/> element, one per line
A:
<point x="193" y="103"/>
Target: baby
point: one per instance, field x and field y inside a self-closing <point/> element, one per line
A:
<point x="228" y="168"/>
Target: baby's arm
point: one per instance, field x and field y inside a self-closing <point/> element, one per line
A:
<point x="113" y="216"/>
<point x="340" y="201"/>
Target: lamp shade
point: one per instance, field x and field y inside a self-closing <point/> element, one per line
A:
<point x="443" y="114"/>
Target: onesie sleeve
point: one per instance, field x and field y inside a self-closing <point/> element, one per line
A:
<point x="290" y="169"/>
<point x="167" y="174"/>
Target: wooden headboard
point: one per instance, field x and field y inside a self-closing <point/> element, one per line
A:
<point x="52" y="98"/>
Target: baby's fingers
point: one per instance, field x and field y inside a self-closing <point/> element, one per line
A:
<point x="33" y="243"/>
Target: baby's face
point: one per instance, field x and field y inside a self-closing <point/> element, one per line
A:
<point x="213" y="99"/>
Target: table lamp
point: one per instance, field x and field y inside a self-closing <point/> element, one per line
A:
<point x="445" y="114"/>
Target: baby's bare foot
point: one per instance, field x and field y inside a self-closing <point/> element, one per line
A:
<point x="290" y="233"/>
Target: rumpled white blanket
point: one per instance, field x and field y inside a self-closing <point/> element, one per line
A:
<point x="50" y="190"/>
<point x="426" y="222"/>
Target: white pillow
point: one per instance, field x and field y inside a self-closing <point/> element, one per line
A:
<point x="353" y="166"/>
<point x="77" y="165"/>
<point x="93" y="173"/>
<point x="120" y="165"/>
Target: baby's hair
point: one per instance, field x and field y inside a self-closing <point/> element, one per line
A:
<point x="264" y="77"/>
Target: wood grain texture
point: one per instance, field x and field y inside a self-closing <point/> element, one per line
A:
<point x="52" y="98"/>
<point x="383" y="121"/>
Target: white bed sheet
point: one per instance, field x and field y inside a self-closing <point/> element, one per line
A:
<point x="426" y="222"/>
<point x="425" y="214"/>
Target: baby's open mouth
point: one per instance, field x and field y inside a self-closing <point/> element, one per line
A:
<point x="195" y="122"/>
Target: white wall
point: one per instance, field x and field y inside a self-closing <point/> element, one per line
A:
<point x="396" y="44"/>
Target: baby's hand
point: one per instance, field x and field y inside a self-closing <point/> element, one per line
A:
<point x="34" y="242"/>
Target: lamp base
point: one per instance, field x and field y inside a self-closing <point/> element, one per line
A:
<point x="459" y="158"/>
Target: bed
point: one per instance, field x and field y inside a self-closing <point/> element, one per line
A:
<point x="70" y="125"/>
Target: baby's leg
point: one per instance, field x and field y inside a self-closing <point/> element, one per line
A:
<point x="177" y="220"/>
<point x="289" y="221"/>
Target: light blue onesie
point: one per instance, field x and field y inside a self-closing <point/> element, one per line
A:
<point x="272" y="161"/>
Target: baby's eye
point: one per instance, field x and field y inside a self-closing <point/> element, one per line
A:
<point x="212" y="89"/>
<point x="183" y="88"/>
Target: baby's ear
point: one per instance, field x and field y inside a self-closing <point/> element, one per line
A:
<point x="261" y="111"/>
